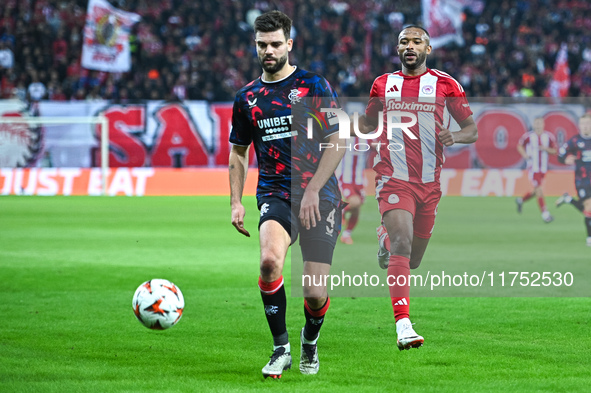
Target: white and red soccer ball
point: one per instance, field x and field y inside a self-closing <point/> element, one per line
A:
<point x="158" y="304"/>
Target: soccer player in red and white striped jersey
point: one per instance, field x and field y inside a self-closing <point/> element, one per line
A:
<point x="351" y="176"/>
<point x="413" y="102"/>
<point x="534" y="147"/>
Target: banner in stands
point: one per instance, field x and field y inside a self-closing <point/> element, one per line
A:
<point x="106" y="37"/>
<point x="443" y="19"/>
<point x="208" y="181"/>
<point x="195" y="134"/>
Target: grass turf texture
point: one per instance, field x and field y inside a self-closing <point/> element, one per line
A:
<point x="70" y="266"/>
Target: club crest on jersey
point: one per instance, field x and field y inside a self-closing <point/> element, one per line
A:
<point x="264" y="208"/>
<point x="294" y="96"/>
<point x="581" y="145"/>
<point x="427" y="89"/>
<point x="252" y="104"/>
<point x="393" y="199"/>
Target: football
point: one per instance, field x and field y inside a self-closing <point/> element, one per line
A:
<point x="158" y="304"/>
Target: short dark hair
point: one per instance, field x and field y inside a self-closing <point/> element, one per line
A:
<point x="273" y="21"/>
<point x="416" y="27"/>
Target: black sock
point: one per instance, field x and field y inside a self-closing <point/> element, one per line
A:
<point x="588" y="224"/>
<point x="273" y="295"/>
<point x="314" y="320"/>
<point x="577" y="204"/>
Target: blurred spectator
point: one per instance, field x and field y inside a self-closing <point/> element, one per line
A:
<point x="6" y="56"/>
<point x="60" y="48"/>
<point x="201" y="50"/>
<point x="36" y="90"/>
<point x="56" y="93"/>
<point x="20" y="92"/>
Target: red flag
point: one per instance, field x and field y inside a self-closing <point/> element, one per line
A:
<point x="561" y="78"/>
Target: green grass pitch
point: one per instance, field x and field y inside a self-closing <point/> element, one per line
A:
<point x="70" y="265"/>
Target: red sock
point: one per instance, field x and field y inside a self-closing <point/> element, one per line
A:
<point x="269" y="288"/>
<point x="352" y="222"/>
<point x="398" y="273"/>
<point x="542" y="204"/>
<point x="528" y="196"/>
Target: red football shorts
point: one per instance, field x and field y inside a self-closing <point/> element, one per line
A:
<point x="419" y="199"/>
<point x="536" y="178"/>
<point x="349" y="190"/>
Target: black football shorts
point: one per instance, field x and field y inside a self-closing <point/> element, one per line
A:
<point x="317" y="243"/>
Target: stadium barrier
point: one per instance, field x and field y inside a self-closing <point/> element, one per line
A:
<point x="196" y="134"/>
<point x="207" y="181"/>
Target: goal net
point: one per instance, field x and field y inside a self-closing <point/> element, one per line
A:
<point x="63" y="143"/>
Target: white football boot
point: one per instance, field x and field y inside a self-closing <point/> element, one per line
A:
<point x="309" y="362"/>
<point x="564" y="198"/>
<point x="280" y="360"/>
<point x="407" y="337"/>
<point x="547" y="217"/>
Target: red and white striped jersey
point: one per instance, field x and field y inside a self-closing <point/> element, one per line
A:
<point x="352" y="166"/>
<point x="423" y="98"/>
<point x="532" y="143"/>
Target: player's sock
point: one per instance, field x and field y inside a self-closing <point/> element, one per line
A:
<point x="577" y="204"/>
<point x="273" y="295"/>
<point x="542" y="204"/>
<point x="314" y="321"/>
<point x="588" y="222"/>
<point x="398" y="266"/>
<point x="353" y="219"/>
<point x="528" y="196"/>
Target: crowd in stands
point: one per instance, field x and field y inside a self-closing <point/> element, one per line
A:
<point x="204" y="49"/>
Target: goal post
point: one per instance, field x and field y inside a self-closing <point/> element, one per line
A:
<point x="64" y="120"/>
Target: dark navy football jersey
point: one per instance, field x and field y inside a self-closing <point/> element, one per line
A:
<point x="270" y="116"/>
<point x="580" y="148"/>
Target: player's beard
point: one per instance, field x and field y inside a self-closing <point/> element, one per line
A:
<point x="274" y="68"/>
<point x="420" y="59"/>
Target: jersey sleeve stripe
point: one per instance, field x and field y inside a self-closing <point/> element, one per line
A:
<point x="448" y="76"/>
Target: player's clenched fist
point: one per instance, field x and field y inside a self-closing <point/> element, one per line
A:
<point x="445" y="136"/>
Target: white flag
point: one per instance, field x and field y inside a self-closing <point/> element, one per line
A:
<point x="106" y="37"/>
<point x="443" y="19"/>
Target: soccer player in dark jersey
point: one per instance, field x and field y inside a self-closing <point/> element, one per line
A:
<point x="577" y="151"/>
<point x="410" y="161"/>
<point x="297" y="192"/>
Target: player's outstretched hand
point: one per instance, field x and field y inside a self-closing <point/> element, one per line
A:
<point x="445" y="136"/>
<point x="570" y="159"/>
<point x="238" y="213"/>
<point x="310" y="209"/>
